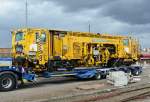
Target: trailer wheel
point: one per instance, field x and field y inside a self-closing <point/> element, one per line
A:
<point x="135" y="72"/>
<point x="7" y="82"/>
<point x="129" y="72"/>
<point x="98" y="76"/>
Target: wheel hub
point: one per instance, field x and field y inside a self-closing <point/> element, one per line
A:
<point x="6" y="82"/>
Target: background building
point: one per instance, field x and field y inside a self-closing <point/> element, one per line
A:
<point x="145" y="56"/>
<point x="5" y="52"/>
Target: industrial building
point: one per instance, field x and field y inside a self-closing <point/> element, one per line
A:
<point x="5" y="52"/>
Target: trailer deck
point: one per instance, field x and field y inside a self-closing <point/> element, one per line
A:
<point x="9" y="76"/>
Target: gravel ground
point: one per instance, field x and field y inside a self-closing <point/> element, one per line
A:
<point x="64" y="89"/>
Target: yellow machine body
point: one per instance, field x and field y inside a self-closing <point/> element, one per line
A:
<point x="44" y="48"/>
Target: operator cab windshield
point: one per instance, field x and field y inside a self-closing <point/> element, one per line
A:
<point x="19" y="36"/>
<point x="40" y="38"/>
<point x="126" y="42"/>
<point x="43" y="37"/>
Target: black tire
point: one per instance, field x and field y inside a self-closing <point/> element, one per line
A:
<point x="7" y="82"/>
<point x="98" y="76"/>
<point x="129" y="72"/>
<point x="104" y="76"/>
<point x="135" y="72"/>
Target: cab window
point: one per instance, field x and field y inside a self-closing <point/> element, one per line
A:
<point x="43" y="37"/>
<point x="37" y="37"/>
<point x="19" y="36"/>
<point x="126" y="42"/>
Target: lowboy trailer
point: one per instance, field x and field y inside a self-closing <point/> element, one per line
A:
<point x="11" y="75"/>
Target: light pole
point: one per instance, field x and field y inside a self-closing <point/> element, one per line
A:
<point x="26" y="14"/>
<point x="89" y="27"/>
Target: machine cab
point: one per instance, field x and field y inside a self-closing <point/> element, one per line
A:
<point x="30" y="45"/>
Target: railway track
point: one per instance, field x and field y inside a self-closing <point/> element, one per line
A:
<point x="125" y="95"/>
<point x="137" y="97"/>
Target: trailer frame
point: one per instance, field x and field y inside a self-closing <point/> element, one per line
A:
<point x="9" y="76"/>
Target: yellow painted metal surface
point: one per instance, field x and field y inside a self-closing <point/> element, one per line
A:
<point x="44" y="44"/>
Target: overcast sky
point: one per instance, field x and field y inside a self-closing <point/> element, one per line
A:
<point x="125" y="17"/>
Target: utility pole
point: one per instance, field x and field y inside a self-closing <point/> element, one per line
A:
<point x="89" y="27"/>
<point x="26" y="14"/>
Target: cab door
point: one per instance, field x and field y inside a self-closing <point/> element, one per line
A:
<point x="57" y="46"/>
<point x="42" y="46"/>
